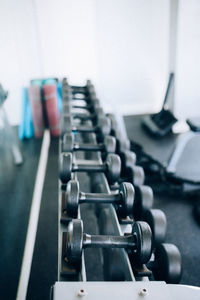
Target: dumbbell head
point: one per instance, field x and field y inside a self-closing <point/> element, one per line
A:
<point x="68" y="142"/>
<point x="113" y="163"/>
<point x="104" y="125"/>
<point x="72" y="198"/>
<point x="66" y="108"/>
<point x="143" y="200"/>
<point x="122" y="145"/>
<point x="65" y="167"/>
<point x="127" y="192"/>
<point x="128" y="158"/>
<point x="142" y="232"/>
<point x="88" y="83"/>
<point x="109" y="144"/>
<point x="74" y="243"/>
<point x="168" y="263"/>
<point x="65" y="124"/>
<point x="158" y="223"/>
<point x="136" y="175"/>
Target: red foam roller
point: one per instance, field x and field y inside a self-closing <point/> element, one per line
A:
<point x="50" y="96"/>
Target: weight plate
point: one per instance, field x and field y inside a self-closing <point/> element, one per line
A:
<point x="68" y="142"/>
<point x="66" y="124"/>
<point x="65" y="167"/>
<point x="143" y="200"/>
<point x="158" y="223"/>
<point x="72" y="198"/>
<point x="128" y="160"/>
<point x="168" y="263"/>
<point x="99" y="111"/>
<point x="127" y="191"/>
<point x="88" y="83"/>
<point x="142" y="232"/>
<point x="137" y="175"/>
<point x="114" y="167"/>
<point x="110" y="144"/>
<point x="74" y="243"/>
<point x="104" y="125"/>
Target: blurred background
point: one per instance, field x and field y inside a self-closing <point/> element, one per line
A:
<point x="123" y="46"/>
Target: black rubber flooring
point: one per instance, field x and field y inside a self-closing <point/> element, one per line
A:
<point x="16" y="188"/>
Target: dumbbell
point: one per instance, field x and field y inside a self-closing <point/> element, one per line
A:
<point x="86" y="91"/>
<point x="102" y="127"/>
<point x="138" y="242"/>
<point x="91" y="104"/>
<point x="69" y="145"/>
<point x="73" y="197"/>
<point x="166" y="265"/>
<point x="97" y="112"/>
<point x="111" y="167"/>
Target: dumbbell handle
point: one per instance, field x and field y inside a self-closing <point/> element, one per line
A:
<point x="84" y="129"/>
<point x="89" y="168"/>
<point x="88" y="147"/>
<point x="99" y="197"/>
<point x="88" y="107"/>
<point x="78" y="89"/>
<point x="84" y="117"/>
<point x="109" y="241"/>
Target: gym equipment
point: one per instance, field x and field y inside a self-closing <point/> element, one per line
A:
<point x="86" y="91"/>
<point x="73" y="197"/>
<point x="158" y="224"/>
<point x="111" y="167"/>
<point x="166" y="265"/>
<point x="91" y="106"/>
<point x="143" y="200"/>
<point x="146" y="230"/>
<point x="138" y="242"/>
<point x="103" y="126"/>
<point x="128" y="158"/>
<point x="123" y="142"/>
<point x="69" y="145"/>
<point x="161" y="123"/>
<point x="96" y="111"/>
<point x="134" y="174"/>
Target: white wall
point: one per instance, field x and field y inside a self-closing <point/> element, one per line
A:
<point x="132" y="51"/>
<point x="188" y="60"/>
<point x="122" y="45"/>
<point x="67" y="38"/>
<point x="19" y="53"/>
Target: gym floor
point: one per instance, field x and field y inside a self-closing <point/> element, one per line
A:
<point x="16" y="189"/>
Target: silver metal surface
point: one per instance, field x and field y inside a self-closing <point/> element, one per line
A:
<point x="154" y="290"/>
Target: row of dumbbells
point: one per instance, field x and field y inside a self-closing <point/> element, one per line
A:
<point x="129" y="196"/>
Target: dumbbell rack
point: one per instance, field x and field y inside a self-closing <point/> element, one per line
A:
<point x="73" y="282"/>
